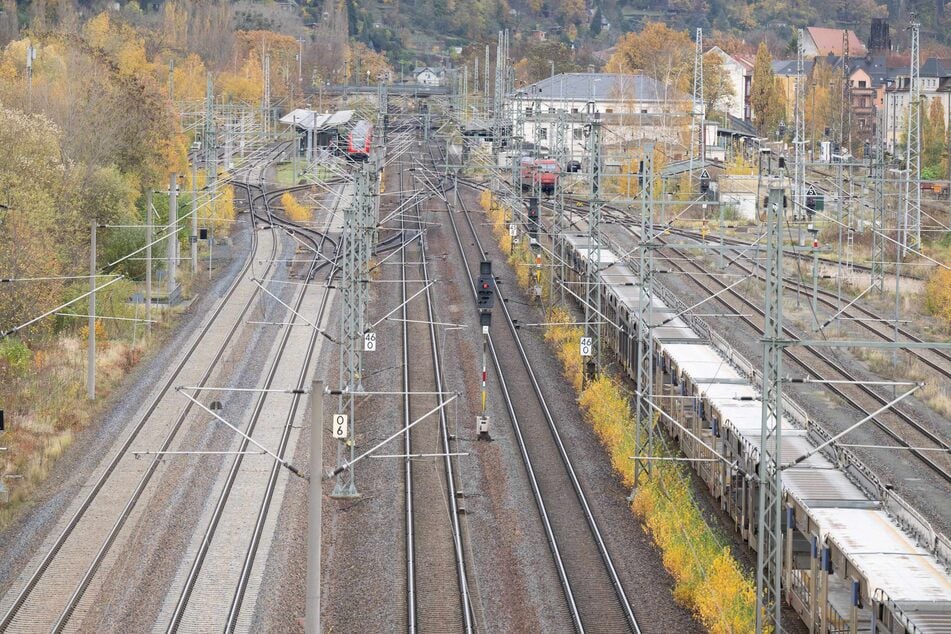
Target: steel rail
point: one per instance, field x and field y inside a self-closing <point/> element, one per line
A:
<point x="620" y="594"/>
<point x="91" y="497"/>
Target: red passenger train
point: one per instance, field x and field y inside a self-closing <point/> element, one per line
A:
<point x="359" y="141"/>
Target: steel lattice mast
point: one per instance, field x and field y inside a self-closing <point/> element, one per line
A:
<point x="769" y="550"/>
<point x="799" y="140"/>
<point x="357" y="237"/>
<point x="644" y="419"/>
<point x="878" y="211"/>
<point x="696" y="127"/>
<point x="592" y="310"/>
<point x="911" y="214"/>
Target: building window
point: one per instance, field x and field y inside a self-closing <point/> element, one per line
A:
<point x="862" y="83"/>
<point x="643" y="110"/>
<point x="528" y="111"/>
<point x="608" y="110"/>
<point x="543" y="134"/>
<point x="574" y="111"/>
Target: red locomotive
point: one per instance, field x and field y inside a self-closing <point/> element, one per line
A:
<point x="541" y="172"/>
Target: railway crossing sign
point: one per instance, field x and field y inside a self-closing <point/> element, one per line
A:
<point x="339" y="426"/>
<point x="586" y="345"/>
<point x="369" y="341"/>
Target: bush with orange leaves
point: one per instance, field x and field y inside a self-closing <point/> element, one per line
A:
<point x="293" y="209"/>
<point x="938" y="296"/>
<point x="707" y="578"/>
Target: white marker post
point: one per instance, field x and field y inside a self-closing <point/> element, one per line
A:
<point x="339" y="426"/>
<point x="369" y="342"/>
<point x="585" y="345"/>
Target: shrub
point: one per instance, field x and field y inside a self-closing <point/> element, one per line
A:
<point x="938" y="296"/>
<point x="15" y="356"/>
<point x="293" y="209"/>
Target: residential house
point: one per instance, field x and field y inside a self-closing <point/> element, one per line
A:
<point x="819" y="41"/>
<point x="739" y="68"/>
<point x="935" y="83"/>
<point x="631" y="107"/>
<point x="786" y="72"/>
<point x="429" y="75"/>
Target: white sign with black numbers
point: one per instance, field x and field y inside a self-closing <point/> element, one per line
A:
<point x="586" y="344"/>
<point x="339" y="427"/>
<point x="369" y="341"/>
<point x="513" y="229"/>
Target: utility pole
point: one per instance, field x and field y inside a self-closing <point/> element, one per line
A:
<point x="644" y="419"/>
<point x="172" y="251"/>
<point x="485" y="83"/>
<point x="266" y="98"/>
<point x="30" y="58"/>
<point x="314" y="500"/>
<point x="911" y="216"/>
<point x="769" y="552"/>
<point x="148" y="260"/>
<point x="91" y="339"/>
<point x="592" y="307"/>
<point x="193" y="238"/>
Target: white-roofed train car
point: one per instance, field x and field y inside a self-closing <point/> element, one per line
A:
<point x="848" y="564"/>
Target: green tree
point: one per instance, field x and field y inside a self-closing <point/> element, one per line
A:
<point x="763" y="90"/>
<point x="659" y="51"/>
<point x="537" y="62"/>
<point x="934" y="135"/>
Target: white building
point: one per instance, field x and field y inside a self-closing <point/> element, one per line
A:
<point x="630" y="106"/>
<point x="740" y="71"/>
<point x="935" y="78"/>
<point x="428" y="76"/>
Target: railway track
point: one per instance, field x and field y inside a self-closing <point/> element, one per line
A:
<point x="866" y="399"/>
<point x="47" y="597"/>
<point x="936" y="359"/>
<point x="820" y="365"/>
<point x="217" y="582"/>
<point x="438" y="597"/>
<point x="594" y="597"/>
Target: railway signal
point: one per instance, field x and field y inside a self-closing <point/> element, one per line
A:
<point x="533" y="217"/>
<point x="485" y="293"/>
<point x="485" y="300"/>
